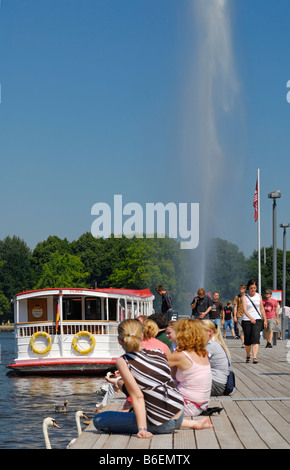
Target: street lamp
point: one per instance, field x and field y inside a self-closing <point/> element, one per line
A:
<point x="274" y="195"/>
<point x="284" y="227"/>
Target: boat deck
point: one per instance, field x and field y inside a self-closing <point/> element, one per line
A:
<point x="255" y="416"/>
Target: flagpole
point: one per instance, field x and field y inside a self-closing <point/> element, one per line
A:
<point x="259" y="232"/>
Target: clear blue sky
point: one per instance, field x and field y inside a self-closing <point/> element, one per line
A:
<point x="104" y="97"/>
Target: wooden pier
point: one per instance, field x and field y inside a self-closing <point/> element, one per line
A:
<point x="255" y="416"/>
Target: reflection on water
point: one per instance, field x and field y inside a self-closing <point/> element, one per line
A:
<point x="27" y="401"/>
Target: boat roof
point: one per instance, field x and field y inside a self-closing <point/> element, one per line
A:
<point x="141" y="293"/>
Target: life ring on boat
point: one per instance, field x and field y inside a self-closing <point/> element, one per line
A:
<point x="91" y="338"/>
<point x="49" y="342"/>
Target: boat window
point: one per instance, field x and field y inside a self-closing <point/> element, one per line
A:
<point x="122" y="310"/>
<point x="93" y="309"/>
<point x="113" y="309"/>
<point x="72" y="308"/>
<point x="132" y="310"/>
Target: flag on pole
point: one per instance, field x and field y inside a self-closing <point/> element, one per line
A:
<point x="255" y="203"/>
<point x="57" y="317"/>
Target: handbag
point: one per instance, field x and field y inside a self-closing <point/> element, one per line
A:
<point x="231" y="380"/>
<point x="231" y="383"/>
<point x="262" y="327"/>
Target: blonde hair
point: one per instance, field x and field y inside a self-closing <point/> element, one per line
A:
<point x="190" y="336"/>
<point x="130" y="334"/>
<point x="216" y="334"/>
<point x="173" y="324"/>
<point x="150" y="329"/>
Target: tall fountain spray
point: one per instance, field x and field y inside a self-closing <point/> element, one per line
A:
<point x="210" y="93"/>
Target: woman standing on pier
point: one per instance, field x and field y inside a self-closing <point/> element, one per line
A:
<point x="158" y="405"/>
<point x="252" y="321"/>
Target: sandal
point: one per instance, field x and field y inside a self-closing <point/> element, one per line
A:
<point x="248" y="360"/>
<point x="210" y="411"/>
<point x="255" y="361"/>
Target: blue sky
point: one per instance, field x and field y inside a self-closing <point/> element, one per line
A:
<point x="106" y="97"/>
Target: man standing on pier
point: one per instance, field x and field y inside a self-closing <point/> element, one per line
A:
<point x="166" y="299"/>
<point x="201" y="305"/>
<point x="217" y="309"/>
<point x="238" y="313"/>
<point x="272" y="315"/>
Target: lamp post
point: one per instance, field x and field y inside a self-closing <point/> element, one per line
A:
<point x="284" y="227"/>
<point x="274" y="195"/>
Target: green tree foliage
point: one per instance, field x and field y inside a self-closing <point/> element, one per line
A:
<point x="153" y="261"/>
<point x="43" y="252"/>
<point x="62" y="271"/>
<point x="267" y="270"/>
<point x="15" y="271"/>
<point x="139" y="263"/>
<point x="100" y="256"/>
<point x="5" y="306"/>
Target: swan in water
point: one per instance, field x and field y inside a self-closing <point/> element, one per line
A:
<point x="62" y="409"/>
<point x="48" y="422"/>
<point x="79" y="415"/>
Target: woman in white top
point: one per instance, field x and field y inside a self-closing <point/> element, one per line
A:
<point x="252" y="320"/>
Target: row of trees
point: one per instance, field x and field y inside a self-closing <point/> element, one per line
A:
<point x="135" y="263"/>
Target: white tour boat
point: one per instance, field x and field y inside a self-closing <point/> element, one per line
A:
<point x="73" y="330"/>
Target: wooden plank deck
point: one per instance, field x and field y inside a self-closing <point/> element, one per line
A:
<point x="255" y="416"/>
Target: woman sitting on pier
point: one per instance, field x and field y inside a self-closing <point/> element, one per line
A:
<point x="219" y="357"/>
<point x="149" y="341"/>
<point x="191" y="367"/>
<point x="158" y="405"/>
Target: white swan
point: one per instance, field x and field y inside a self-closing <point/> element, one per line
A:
<point x="79" y="415"/>
<point x="48" y="422"/>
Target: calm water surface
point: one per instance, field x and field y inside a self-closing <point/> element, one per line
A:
<point x="26" y="401"/>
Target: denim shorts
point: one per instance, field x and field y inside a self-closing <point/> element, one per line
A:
<point x="216" y="321"/>
<point x="229" y="323"/>
<point x="125" y="422"/>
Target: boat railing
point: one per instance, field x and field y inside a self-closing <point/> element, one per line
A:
<point x="67" y="328"/>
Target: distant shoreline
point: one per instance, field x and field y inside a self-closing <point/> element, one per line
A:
<point x="6" y="327"/>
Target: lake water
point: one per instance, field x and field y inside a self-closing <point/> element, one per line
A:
<point x="26" y="401"/>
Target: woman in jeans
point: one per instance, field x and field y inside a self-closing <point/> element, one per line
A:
<point x="252" y="320"/>
<point x="158" y="405"/>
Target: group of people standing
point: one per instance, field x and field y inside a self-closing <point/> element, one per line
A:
<point x="203" y="307"/>
<point x="251" y="315"/>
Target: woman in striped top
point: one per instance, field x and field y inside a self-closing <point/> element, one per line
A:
<point x="158" y="405"/>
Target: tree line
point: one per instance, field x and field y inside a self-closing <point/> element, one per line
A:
<point x="132" y="263"/>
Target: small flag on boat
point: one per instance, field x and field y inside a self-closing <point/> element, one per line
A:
<point x="57" y="317"/>
<point x="108" y="396"/>
<point x="255" y="203"/>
